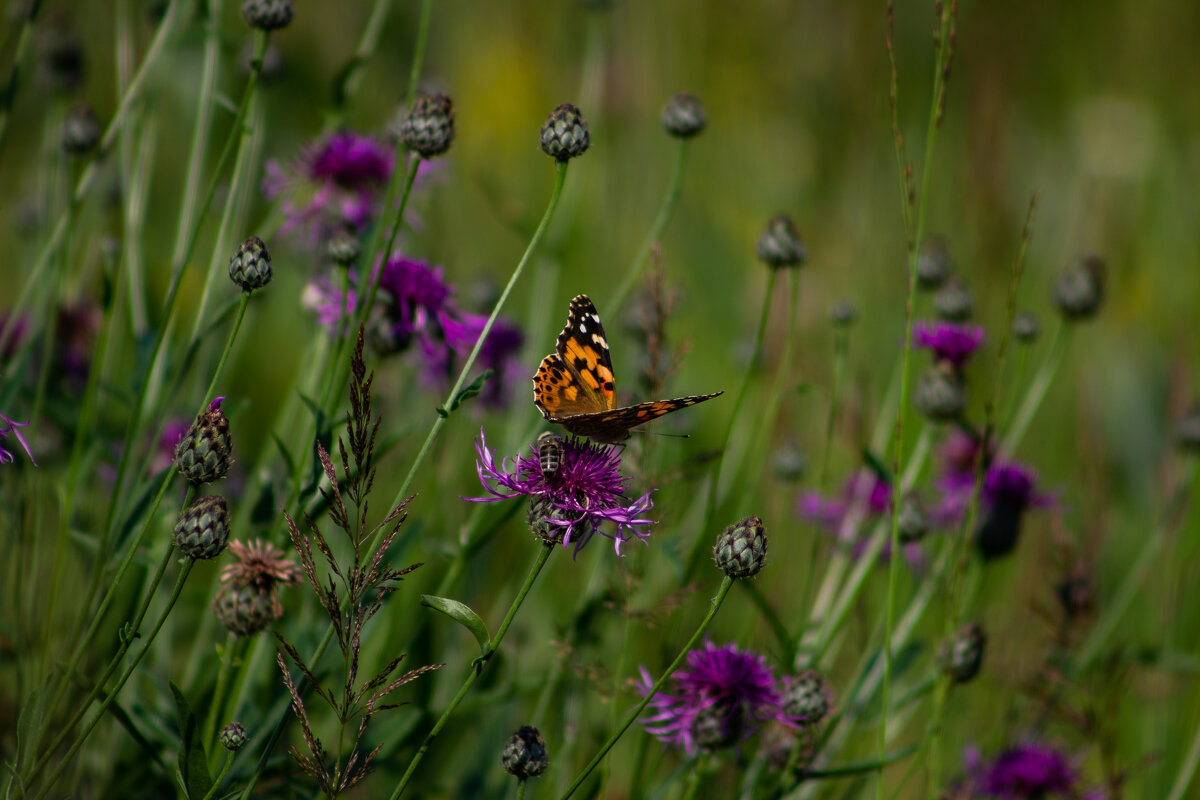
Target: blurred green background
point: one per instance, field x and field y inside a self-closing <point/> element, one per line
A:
<point x="1093" y="108"/>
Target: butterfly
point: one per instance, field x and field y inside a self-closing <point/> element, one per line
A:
<point x="574" y="385"/>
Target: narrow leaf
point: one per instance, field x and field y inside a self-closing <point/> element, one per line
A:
<point x="461" y="614"/>
<point x="193" y="763"/>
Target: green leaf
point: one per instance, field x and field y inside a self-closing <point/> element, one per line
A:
<point x="467" y="392"/>
<point x="30" y="723"/>
<point x="463" y="615"/>
<point x="288" y="461"/>
<point x="193" y="762"/>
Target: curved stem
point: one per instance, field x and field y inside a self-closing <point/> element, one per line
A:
<point x="674" y="189"/>
<point x="476" y="667"/>
<point x="711" y="499"/>
<point x="637" y="710"/>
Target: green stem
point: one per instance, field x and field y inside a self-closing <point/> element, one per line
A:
<point x="216" y="784"/>
<point x="674" y="189"/>
<point x="9" y="95"/>
<point x="436" y="428"/>
<point x="674" y="665"/>
<point x="216" y="705"/>
<point x="1187" y="770"/>
<point x="476" y="667"/>
<point x="92" y="170"/>
<point x="209" y="395"/>
<point x="711" y="499"/>
<point x="112" y="694"/>
<point x="1037" y="390"/>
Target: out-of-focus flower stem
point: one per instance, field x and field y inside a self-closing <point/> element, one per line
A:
<point x="715" y="606"/>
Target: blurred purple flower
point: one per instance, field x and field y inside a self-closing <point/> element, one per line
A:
<point x="949" y="341"/>
<point x="865" y="499"/>
<point x="172" y="432"/>
<point x="587" y="488"/>
<point x="723" y="696"/>
<point x="1009" y="490"/>
<point x="415" y="307"/>
<point x="336" y="182"/>
<point x="7" y="427"/>
<point x="1024" y="771"/>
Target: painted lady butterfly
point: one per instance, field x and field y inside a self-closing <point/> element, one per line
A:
<point x="574" y="385"/>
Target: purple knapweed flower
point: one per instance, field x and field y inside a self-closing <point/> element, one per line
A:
<point x="415" y="307"/>
<point x="335" y="183"/>
<point x="865" y="499"/>
<point x="1025" y="771"/>
<point x="1009" y="489"/>
<point x="723" y="695"/>
<point x="7" y="427"/>
<point x="949" y="341"/>
<point x="587" y="489"/>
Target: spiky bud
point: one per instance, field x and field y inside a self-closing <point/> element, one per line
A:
<point x="1079" y="290"/>
<point x="741" y="548"/>
<point x="807" y="698"/>
<point x="962" y="655"/>
<point x="843" y="315"/>
<point x="684" y="117"/>
<point x="1025" y="328"/>
<point x="933" y="264"/>
<point x="80" y="131"/>
<point x="565" y="134"/>
<point x="1187" y="430"/>
<point x="428" y="127"/>
<point x="542" y="513"/>
<point x="250" y="266"/>
<point x="719" y="726"/>
<point x="912" y="522"/>
<point x="267" y="15"/>
<point x="939" y="393"/>
<point x="789" y="462"/>
<point x="780" y="244"/>
<point x="953" y="301"/>
<point x="203" y="529"/>
<point x="524" y="754"/>
<point x="343" y="248"/>
<point x="204" y="453"/>
<point x="233" y="737"/>
<point x="246" y="610"/>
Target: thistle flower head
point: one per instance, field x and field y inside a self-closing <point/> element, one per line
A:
<point x="205" y="452"/>
<point x="267" y="15"/>
<point x="806" y="698"/>
<point x="1079" y="289"/>
<point x="525" y="754"/>
<point x="741" y="549"/>
<point x="953" y="302"/>
<point x="565" y="134"/>
<point x="961" y="655"/>
<point x="1025" y="328"/>
<point x="250" y="265"/>
<point x="933" y="264"/>
<point x="246" y="610"/>
<point x="1024" y="772"/>
<point x="684" y="116"/>
<point x="940" y="393"/>
<point x="233" y="737"/>
<point x="948" y="341"/>
<point x="428" y="127"/>
<point x="80" y="131"/>
<point x="9" y="427"/>
<point x="1009" y="489"/>
<point x="335" y="183"/>
<point x="203" y="529"/>
<point x="722" y="695"/>
<point x="261" y="565"/>
<point x="780" y="244"/>
<point x="587" y="490"/>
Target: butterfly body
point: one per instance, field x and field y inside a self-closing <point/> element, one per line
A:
<point x="575" y="387"/>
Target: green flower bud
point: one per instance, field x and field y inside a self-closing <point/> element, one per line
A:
<point x="933" y="264"/>
<point x="807" y="698"/>
<point x="428" y="128"/>
<point x="780" y="244"/>
<point x="741" y="548"/>
<point x="344" y="248"/>
<point x="267" y="15"/>
<point x="525" y="754"/>
<point x="1079" y="290"/>
<point x="939" y="393"/>
<point x="962" y="655"/>
<point x="204" y="453"/>
<point x="203" y="529"/>
<point x="565" y="134"/>
<point x="80" y="131"/>
<point x="684" y="117"/>
<point x="912" y="523"/>
<point x="233" y="737"/>
<point x="250" y="266"/>
<point x="246" y="610"/>
<point x="953" y="301"/>
<point x="1025" y="328"/>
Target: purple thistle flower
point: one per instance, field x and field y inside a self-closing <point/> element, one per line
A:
<point x="1024" y="771"/>
<point x="724" y="696"/>
<point x="1009" y="490"/>
<point x="335" y="183"/>
<point x="587" y="488"/>
<point x="865" y="499"/>
<point x="8" y="426"/>
<point x="949" y="341"/>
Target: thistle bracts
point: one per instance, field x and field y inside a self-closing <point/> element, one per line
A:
<point x="780" y="244"/>
<point x="204" y="453"/>
<point x="741" y="549"/>
<point x="428" y="128"/>
<point x="233" y="737"/>
<point x="524" y="754"/>
<point x="684" y="117"/>
<point x="565" y="134"/>
<point x="962" y="655"/>
<point x="267" y="15"/>
<point x="203" y="529"/>
<point x="250" y="266"/>
<point x="1079" y="289"/>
